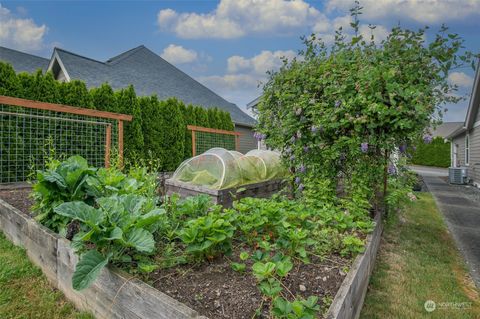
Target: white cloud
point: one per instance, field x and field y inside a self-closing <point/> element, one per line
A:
<point x="236" y="18"/>
<point x="21" y="34"/>
<point x="245" y="75"/>
<point x="461" y="79"/>
<point x="176" y="54"/>
<point x="379" y="32"/>
<point x="424" y="11"/>
<point x="230" y="82"/>
<point x="260" y="63"/>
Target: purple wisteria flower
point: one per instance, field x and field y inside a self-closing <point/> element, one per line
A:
<point x="338" y="103"/>
<point x="364" y="147"/>
<point x="288" y="150"/>
<point x="392" y="170"/>
<point x="298" y="180"/>
<point x="313" y="129"/>
<point x="259" y="136"/>
<point x="302" y="169"/>
<point x="414" y="148"/>
<point x="293" y="139"/>
<point x="301" y="187"/>
<point x="292" y="158"/>
<point x="427" y="139"/>
<point x="306" y="149"/>
<point x="403" y="148"/>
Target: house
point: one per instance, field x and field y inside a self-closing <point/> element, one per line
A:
<point x="144" y="69"/>
<point x="465" y="141"/>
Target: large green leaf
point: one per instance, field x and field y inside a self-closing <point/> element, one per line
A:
<point x="88" y="269"/>
<point x="115" y="234"/>
<point x="112" y="206"/>
<point x="141" y="240"/>
<point x="150" y="218"/>
<point x="133" y="203"/>
<point x="80" y="211"/>
<point x="56" y="178"/>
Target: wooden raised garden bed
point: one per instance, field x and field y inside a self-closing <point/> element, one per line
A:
<point x="210" y="289"/>
<point x="225" y="197"/>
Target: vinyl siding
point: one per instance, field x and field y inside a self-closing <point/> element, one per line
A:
<point x="474" y="165"/>
<point x="247" y="141"/>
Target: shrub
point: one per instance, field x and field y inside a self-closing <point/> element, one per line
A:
<point x="437" y="153"/>
<point x="171" y="135"/>
<point x="338" y="112"/>
<point x="133" y="138"/>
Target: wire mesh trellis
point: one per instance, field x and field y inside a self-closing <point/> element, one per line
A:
<point x="29" y="128"/>
<point x="204" y="138"/>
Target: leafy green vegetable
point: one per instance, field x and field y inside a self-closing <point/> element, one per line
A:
<point x="121" y="228"/>
<point x="88" y="268"/>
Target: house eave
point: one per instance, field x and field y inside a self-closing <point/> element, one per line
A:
<point x="474" y="100"/>
<point x="455" y="133"/>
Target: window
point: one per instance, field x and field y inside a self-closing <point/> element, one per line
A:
<point x="467" y="149"/>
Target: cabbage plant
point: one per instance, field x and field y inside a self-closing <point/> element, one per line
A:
<point x="119" y="231"/>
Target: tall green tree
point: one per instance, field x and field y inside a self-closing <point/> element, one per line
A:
<point x="103" y="98"/>
<point x="75" y="93"/>
<point x="133" y="138"/>
<point x="172" y="134"/>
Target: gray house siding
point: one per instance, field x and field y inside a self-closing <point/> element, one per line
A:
<point x="474" y="158"/>
<point x="474" y="164"/>
<point x="247" y="141"/>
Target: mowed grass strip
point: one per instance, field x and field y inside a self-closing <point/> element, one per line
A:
<point x="25" y="291"/>
<point x="418" y="261"/>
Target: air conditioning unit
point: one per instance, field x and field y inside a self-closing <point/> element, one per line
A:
<point x="457" y="175"/>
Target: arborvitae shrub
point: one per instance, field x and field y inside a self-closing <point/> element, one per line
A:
<point x="172" y="134"/>
<point x="103" y="98"/>
<point x="437" y="153"/>
<point x="133" y="137"/>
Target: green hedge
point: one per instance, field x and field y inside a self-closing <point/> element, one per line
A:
<point x="158" y="128"/>
<point x="437" y="153"/>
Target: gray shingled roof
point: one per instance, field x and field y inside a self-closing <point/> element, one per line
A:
<point x="23" y="62"/>
<point x="447" y="128"/>
<point x="149" y="74"/>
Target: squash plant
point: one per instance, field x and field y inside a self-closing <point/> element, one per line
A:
<point x="119" y="231"/>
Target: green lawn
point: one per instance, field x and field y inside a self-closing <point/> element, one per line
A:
<point x="418" y="261"/>
<point x="24" y="290"/>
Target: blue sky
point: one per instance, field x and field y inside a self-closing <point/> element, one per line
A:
<point x="229" y="44"/>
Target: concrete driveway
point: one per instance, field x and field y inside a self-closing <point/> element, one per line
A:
<point x="429" y="171"/>
<point x="460" y="207"/>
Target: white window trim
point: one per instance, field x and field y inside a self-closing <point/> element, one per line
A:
<point x="452" y="155"/>
<point x="467" y="150"/>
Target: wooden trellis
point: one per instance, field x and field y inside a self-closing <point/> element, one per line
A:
<point x="26" y="124"/>
<point x="204" y="138"/>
